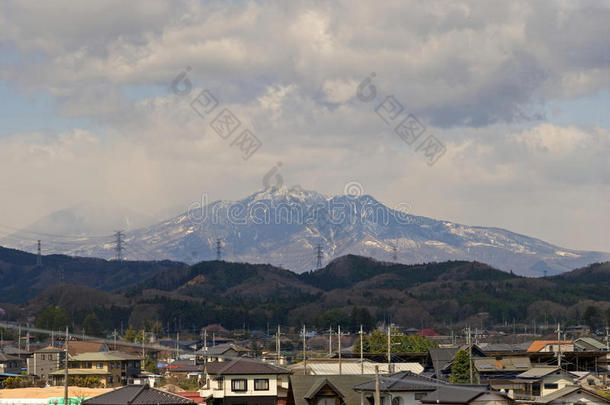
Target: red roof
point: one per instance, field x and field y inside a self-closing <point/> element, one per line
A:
<point x="193" y="396"/>
<point x="427" y="332"/>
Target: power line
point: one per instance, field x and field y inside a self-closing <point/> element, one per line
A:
<point x="119" y="245"/>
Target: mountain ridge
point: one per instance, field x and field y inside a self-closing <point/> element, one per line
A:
<point x="284" y="226"/>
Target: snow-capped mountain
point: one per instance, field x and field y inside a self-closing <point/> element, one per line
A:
<point x="285" y="226"/>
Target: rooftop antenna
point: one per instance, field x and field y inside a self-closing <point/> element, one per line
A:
<point x="39" y="255"/>
<point x="218" y="249"/>
<point x="118" y="239"/>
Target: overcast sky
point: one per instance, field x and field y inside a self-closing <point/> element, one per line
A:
<point x="517" y="92"/>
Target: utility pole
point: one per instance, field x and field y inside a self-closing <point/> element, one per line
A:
<point x="330" y="341"/>
<point x="470" y="355"/>
<point x="143" y="350"/>
<point x="27" y="342"/>
<point x="304" y="351"/>
<point x="389" y="348"/>
<point x="278" y="344"/>
<point x="218" y="249"/>
<point x="205" y="341"/>
<point x="394" y="253"/>
<point x="361" y="350"/>
<point x="377" y="394"/>
<point x="118" y="240"/>
<point x="66" y="369"/>
<point x="339" y="347"/>
<point x="318" y="256"/>
<point x="559" y="344"/>
<point x="39" y="255"/>
<point x="114" y="335"/>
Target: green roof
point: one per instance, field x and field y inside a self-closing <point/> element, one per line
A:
<point x="590" y="341"/>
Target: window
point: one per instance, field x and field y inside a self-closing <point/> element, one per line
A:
<point x="326" y="400"/>
<point x="551" y="386"/>
<point x="396" y="401"/>
<point x="239" y="384"/>
<point x="261" y="384"/>
<point x="89" y="365"/>
<point x="50" y="357"/>
<point x="219" y="382"/>
<point x="42" y="357"/>
<point x="99" y="365"/>
<point x="419" y="395"/>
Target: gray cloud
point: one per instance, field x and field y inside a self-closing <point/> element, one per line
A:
<point x="476" y="73"/>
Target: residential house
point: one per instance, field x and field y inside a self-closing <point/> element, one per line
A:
<point x="499" y="368"/>
<point x="271" y="357"/>
<point x="572" y="395"/>
<point x="184" y="368"/>
<point x="326" y="390"/>
<point x="552" y="346"/>
<point x="245" y="381"/>
<point x="112" y="369"/>
<point x="332" y="366"/>
<point x="578" y="330"/>
<point x="587" y="379"/>
<point x="138" y="395"/>
<point x="539" y="382"/>
<point x="76" y="347"/>
<point x="589" y="344"/>
<point x="440" y="359"/>
<point x="222" y="352"/>
<point x="45" y="361"/>
<point x="10" y="364"/>
<point x="409" y="389"/>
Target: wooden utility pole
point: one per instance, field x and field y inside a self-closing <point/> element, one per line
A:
<point x="377" y="394"/>
<point x="277" y="346"/>
<point x="66" y="369"/>
<point x="339" y="346"/>
<point x="330" y="341"/>
<point x="470" y="354"/>
<point x="304" y="351"/>
<point x="558" y="344"/>
<point x="361" y="350"/>
<point x="389" y="348"/>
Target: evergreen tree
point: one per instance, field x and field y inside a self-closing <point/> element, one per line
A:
<point x="92" y="325"/>
<point x="460" y="370"/>
<point x="130" y="334"/>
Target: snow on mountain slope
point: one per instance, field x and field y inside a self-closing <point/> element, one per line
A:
<point x="284" y="227"/>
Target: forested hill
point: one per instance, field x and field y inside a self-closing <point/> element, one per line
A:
<point x="349" y="290"/>
<point x="21" y="279"/>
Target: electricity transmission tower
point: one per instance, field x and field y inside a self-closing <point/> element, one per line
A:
<point x="218" y="249"/>
<point x="118" y="240"/>
<point x="39" y="255"/>
<point x="394" y="253"/>
<point x="318" y="256"/>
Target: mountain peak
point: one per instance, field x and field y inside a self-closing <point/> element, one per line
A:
<point x="284" y="192"/>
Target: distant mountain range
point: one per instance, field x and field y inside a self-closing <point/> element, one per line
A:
<point x="284" y="227"/>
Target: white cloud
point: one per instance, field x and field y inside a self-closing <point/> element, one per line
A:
<point x="471" y="71"/>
